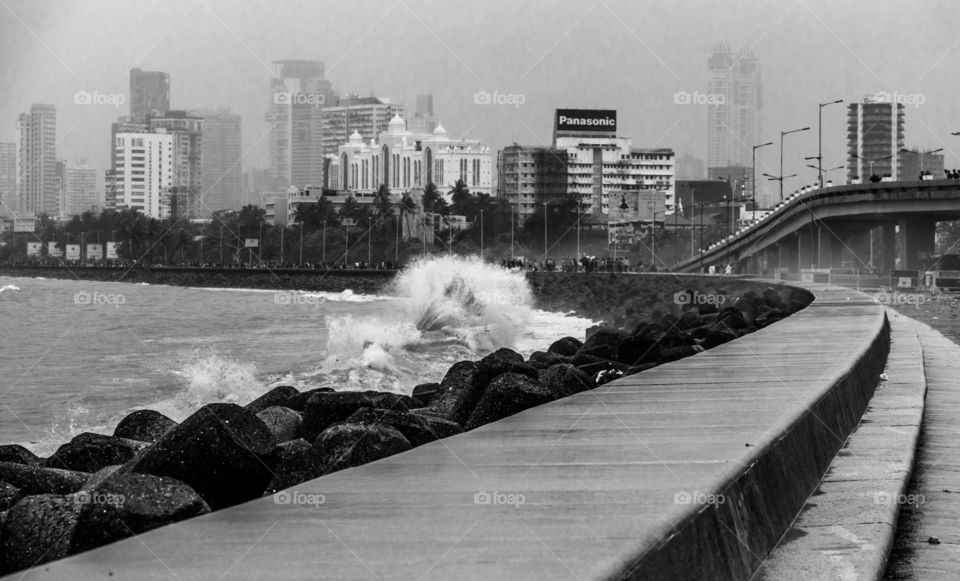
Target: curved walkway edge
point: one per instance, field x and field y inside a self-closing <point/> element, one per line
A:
<point x="691" y="470"/>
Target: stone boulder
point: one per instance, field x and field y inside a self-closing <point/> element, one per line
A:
<point x="299" y="402"/>
<point x="503" y="361"/>
<point x="90" y="452"/>
<point x="100" y="476"/>
<point x="222" y="452"/>
<point x="508" y="394"/>
<point x="543" y="359"/>
<point x="345" y="445"/>
<point x="9" y="495"/>
<point x="417" y="429"/>
<point x="18" y="454"/>
<point x="39" y="480"/>
<point x="283" y="422"/>
<point x="565" y="379"/>
<point x="130" y="504"/>
<point x="565" y="346"/>
<point x="324" y="409"/>
<point x="459" y="393"/>
<point x="37" y="530"/>
<point x="276" y="396"/>
<point x="425" y="393"/>
<point x="144" y="425"/>
<point x="604" y="343"/>
<point x="386" y="400"/>
<point x="294" y="462"/>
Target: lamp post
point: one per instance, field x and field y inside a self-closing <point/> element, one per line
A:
<point x="872" y="161"/>
<point x="323" y="255"/>
<point x="782" y="135"/>
<point x="920" y="155"/>
<point x="753" y="182"/>
<point x="301" y="244"/>
<point x="820" y="138"/>
<point x="545" y="232"/>
<point x="481" y="235"/>
<point x="512" y="220"/>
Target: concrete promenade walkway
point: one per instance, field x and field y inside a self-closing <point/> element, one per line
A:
<point x="928" y="534"/>
<point x="691" y="470"/>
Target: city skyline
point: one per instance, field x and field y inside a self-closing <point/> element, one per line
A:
<point x="498" y="92"/>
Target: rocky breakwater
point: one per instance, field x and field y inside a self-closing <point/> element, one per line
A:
<point x="152" y="471"/>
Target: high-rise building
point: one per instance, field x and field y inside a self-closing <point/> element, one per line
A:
<point x="187" y="186"/>
<point x="423" y="120"/>
<point x="149" y="93"/>
<point x="599" y="168"/>
<point x="143" y="172"/>
<point x="39" y="190"/>
<point x="690" y="167"/>
<point x="79" y="189"/>
<point x="874" y="139"/>
<point x="8" y="178"/>
<point x="220" y="159"/>
<point x="916" y="162"/>
<point x="367" y="116"/>
<point x="733" y="120"/>
<point x="298" y="93"/>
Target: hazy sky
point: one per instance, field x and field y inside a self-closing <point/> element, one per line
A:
<point x="628" y="55"/>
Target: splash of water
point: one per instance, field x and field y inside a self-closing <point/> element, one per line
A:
<point x="487" y="307"/>
<point x="9" y="287"/>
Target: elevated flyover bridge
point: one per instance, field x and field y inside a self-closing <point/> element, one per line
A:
<point x="861" y="226"/>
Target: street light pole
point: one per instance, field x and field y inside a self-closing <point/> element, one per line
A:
<point x="753" y="182"/>
<point x="545" y="232"/>
<point x="920" y="155"/>
<point x="820" y="138"/>
<point x="782" y="135"/>
<point x="481" y="235"/>
<point x="323" y="255"/>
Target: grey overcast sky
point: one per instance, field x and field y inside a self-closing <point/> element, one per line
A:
<point x="628" y="55"/>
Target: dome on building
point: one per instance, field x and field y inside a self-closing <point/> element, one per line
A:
<point x="440" y="132"/>
<point x="397" y="125"/>
<point x="356" y="138"/>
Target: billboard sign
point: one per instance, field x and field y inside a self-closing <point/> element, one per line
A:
<point x="33" y="248"/>
<point x="53" y="251"/>
<point x="111" y="250"/>
<point x="251" y="243"/>
<point x="95" y="251"/>
<point x="73" y="252"/>
<point x="586" y="121"/>
<point x="24" y="222"/>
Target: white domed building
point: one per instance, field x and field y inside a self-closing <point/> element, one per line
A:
<point x="405" y="161"/>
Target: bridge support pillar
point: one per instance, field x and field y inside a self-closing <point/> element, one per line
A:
<point x="887" y="260"/>
<point x="917" y="241"/>
<point x="807" y="248"/>
<point x="857" y="253"/>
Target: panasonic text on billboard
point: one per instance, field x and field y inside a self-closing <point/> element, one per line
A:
<point x="587" y="120"/>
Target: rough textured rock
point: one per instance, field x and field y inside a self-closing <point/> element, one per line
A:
<point x="294" y="462"/>
<point x="299" y="402"/>
<point x="425" y="393"/>
<point x="89" y="452"/>
<point x="18" y="454"/>
<point x="502" y="361"/>
<point x="544" y="359"/>
<point x="276" y="396"/>
<point x="9" y="495"/>
<point x="100" y="476"/>
<point x="417" y="429"/>
<point x="459" y="393"/>
<point x="129" y="504"/>
<point x="283" y="422"/>
<point x="565" y="346"/>
<point x="604" y="343"/>
<point x="324" y="409"/>
<point x="565" y="379"/>
<point x="343" y="446"/>
<point x="39" y="480"/>
<point x="222" y="451"/>
<point x="506" y="395"/>
<point x="37" y="530"/>
<point x="386" y="400"/>
<point x="144" y="425"/>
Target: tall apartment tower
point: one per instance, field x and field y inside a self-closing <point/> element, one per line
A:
<point x="186" y="195"/>
<point x="220" y="159"/>
<point x="298" y="93"/>
<point x="367" y="116"/>
<point x="143" y="172"/>
<point x="8" y="178"/>
<point x="149" y="93"/>
<point x="39" y="190"/>
<point x="79" y="189"/>
<point x="423" y="119"/>
<point x="733" y="124"/>
<point x="874" y="139"/>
